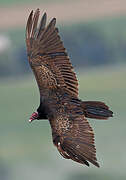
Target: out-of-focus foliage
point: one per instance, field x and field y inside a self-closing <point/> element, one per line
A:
<point x="97" y="43"/>
<point x="90" y="44"/>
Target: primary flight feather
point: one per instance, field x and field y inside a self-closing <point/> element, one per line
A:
<point x="58" y="87"/>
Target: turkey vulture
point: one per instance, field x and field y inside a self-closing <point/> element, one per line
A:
<point x="58" y="87"/>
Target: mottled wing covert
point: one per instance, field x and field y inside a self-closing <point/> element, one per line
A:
<point x="47" y="55"/>
<point x="74" y="137"/>
<point x="79" y="142"/>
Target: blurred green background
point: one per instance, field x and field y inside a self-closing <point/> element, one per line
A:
<point x="94" y="33"/>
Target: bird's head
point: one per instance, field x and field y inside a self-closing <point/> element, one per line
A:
<point x="34" y="116"/>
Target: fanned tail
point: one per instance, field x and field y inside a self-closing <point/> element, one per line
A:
<point x="96" y="110"/>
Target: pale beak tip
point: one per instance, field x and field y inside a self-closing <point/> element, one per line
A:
<point x="30" y="120"/>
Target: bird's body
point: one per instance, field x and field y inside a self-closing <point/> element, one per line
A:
<point x="58" y="86"/>
<point x="69" y="126"/>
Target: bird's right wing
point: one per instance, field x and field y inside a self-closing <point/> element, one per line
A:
<point x="74" y="137"/>
<point x="48" y="57"/>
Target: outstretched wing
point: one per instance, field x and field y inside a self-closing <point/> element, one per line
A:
<point x="47" y="55"/>
<point x="74" y="137"/>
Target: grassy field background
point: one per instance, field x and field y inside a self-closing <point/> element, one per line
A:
<point x="27" y="151"/>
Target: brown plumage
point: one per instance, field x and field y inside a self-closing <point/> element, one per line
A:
<point x="58" y="86"/>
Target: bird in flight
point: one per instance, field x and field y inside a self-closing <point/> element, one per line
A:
<point x="58" y="86"/>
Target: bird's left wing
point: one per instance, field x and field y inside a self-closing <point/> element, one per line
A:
<point x="47" y="55"/>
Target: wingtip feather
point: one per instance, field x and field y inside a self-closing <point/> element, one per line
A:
<point x="45" y="15"/>
<point x="29" y="25"/>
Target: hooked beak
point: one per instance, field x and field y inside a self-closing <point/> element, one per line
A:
<point x="33" y="116"/>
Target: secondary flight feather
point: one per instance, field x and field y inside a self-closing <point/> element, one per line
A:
<point x="58" y="86"/>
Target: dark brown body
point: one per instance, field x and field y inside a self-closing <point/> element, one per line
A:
<point x="66" y="115"/>
<point x="58" y="86"/>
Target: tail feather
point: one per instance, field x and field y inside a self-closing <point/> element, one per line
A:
<point x="96" y="110"/>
